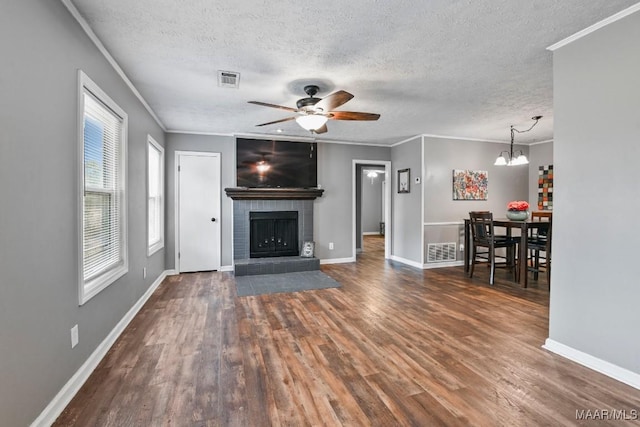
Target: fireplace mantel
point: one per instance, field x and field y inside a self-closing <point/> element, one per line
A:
<point x="245" y="193"/>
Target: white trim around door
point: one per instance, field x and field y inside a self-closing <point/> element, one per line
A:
<point x="387" y="203"/>
<point x="176" y="207"/>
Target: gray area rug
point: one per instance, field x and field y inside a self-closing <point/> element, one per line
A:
<point x="285" y="282"/>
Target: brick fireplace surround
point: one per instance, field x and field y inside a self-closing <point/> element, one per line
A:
<point x="246" y="200"/>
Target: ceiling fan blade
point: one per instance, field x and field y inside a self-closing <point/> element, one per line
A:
<point x="278" y="121"/>
<point x="333" y="100"/>
<point x="281" y="107"/>
<point x="321" y="129"/>
<point x="353" y="115"/>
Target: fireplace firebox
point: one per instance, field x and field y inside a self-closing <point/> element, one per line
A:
<point x="273" y="234"/>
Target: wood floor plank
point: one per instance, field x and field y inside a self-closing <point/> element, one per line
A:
<point x="393" y="346"/>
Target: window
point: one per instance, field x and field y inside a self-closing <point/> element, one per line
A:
<point x="103" y="231"/>
<point x="155" y="196"/>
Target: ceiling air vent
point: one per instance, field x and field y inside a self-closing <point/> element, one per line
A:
<point x="228" y="79"/>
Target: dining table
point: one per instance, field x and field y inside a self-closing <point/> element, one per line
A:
<point x="510" y="225"/>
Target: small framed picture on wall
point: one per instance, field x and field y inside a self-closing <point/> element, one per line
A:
<point x="404" y="177"/>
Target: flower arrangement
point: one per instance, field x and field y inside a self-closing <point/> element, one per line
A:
<point x="518" y="205"/>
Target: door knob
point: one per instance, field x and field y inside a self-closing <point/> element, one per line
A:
<point x="213" y="220"/>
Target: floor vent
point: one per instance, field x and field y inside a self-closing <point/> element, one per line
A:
<point x="228" y="79"/>
<point x="441" y="252"/>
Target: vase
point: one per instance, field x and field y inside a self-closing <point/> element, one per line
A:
<point x="518" y="215"/>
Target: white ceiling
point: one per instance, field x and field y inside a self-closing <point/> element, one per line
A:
<point x="460" y="68"/>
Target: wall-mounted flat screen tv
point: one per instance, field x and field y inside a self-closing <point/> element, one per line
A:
<point x="276" y="164"/>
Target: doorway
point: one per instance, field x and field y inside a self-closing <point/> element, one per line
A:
<point x="371" y="210"/>
<point x="197" y="211"/>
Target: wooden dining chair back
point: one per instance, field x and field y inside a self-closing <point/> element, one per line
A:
<point x="539" y="244"/>
<point x="540" y="216"/>
<point x="483" y="236"/>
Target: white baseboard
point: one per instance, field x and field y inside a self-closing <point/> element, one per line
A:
<point x="431" y="265"/>
<point x="609" y="369"/>
<point x="172" y="272"/>
<point x="371" y="233"/>
<point x="226" y="268"/>
<point x="407" y="261"/>
<point x="337" y="260"/>
<point x="69" y="390"/>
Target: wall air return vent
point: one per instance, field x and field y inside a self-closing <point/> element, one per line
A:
<point x="228" y="79"/>
<point x="441" y="252"/>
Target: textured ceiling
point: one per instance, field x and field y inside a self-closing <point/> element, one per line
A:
<point x="445" y="67"/>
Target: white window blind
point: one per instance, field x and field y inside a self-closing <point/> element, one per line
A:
<point x="155" y="196"/>
<point x="104" y="252"/>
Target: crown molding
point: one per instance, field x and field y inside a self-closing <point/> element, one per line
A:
<point x="395" y="144"/>
<point x="464" y="138"/>
<point x="541" y="142"/>
<point x="610" y="20"/>
<point x="94" y="38"/>
<point x="279" y="137"/>
<point x="188" y="132"/>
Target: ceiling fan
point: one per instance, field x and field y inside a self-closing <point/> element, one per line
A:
<point x="313" y="113"/>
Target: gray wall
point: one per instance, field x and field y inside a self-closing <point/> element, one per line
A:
<point x="406" y="207"/>
<point x="441" y="157"/>
<point x="539" y="155"/>
<point x="43" y="46"/>
<point x="333" y="211"/>
<point x="595" y="292"/>
<point x="226" y="146"/>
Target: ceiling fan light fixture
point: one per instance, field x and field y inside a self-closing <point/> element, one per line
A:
<point x="313" y="113"/>
<point x="312" y="121"/>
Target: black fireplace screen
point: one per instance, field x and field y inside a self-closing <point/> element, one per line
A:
<point x="273" y="234"/>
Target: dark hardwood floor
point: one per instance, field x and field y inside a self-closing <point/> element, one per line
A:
<point x="393" y="346"/>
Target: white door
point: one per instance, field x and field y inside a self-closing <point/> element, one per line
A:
<point x="198" y="212"/>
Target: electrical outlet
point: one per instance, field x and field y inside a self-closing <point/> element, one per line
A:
<point x="330" y="246"/>
<point x="144" y="273"/>
<point x="74" y="336"/>
<point x="461" y="247"/>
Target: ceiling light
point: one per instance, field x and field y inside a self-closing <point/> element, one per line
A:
<point x="372" y="174"/>
<point x="508" y="158"/>
<point x="312" y="121"/>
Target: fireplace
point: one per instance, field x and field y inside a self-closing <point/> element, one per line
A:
<point x="257" y="204"/>
<point x="273" y="234"/>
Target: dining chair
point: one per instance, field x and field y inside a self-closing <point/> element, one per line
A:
<point x="483" y="236"/>
<point x="539" y="244"/>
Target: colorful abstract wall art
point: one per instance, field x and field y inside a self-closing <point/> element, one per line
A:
<point x="470" y="185"/>
<point x="545" y="188"/>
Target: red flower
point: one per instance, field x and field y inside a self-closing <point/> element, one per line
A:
<point x="518" y="205"/>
